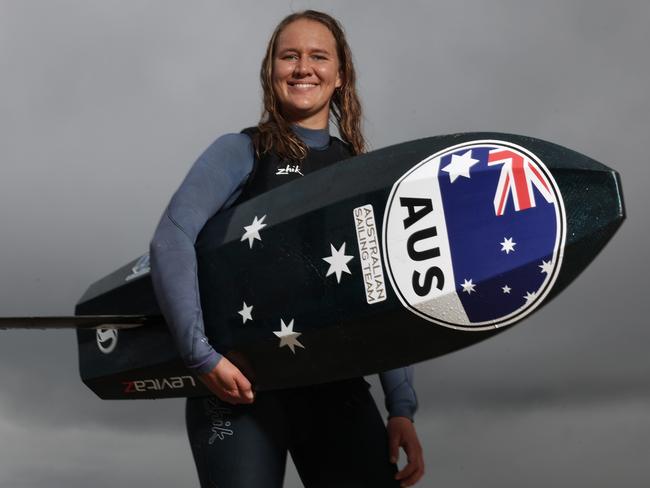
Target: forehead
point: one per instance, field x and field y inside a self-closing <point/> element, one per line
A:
<point x="305" y="34"/>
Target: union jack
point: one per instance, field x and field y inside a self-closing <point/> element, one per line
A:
<point x="518" y="176"/>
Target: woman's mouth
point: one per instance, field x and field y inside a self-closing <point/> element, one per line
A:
<point x="302" y="86"/>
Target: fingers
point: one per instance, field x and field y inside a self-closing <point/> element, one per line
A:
<point x="237" y="390"/>
<point x="232" y="396"/>
<point x="231" y="393"/>
<point x="393" y="447"/>
<point x="245" y="390"/>
<point x="228" y="383"/>
<point x="224" y="392"/>
<point x="411" y="473"/>
<point x="414" y="470"/>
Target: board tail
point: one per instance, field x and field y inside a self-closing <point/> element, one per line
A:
<point x="134" y="356"/>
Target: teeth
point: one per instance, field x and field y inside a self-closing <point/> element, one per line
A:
<point x="304" y="85"/>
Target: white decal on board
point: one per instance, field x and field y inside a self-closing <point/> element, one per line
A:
<point x="473" y="235"/>
<point x="338" y="262"/>
<point x="287" y="336"/>
<point x="253" y="230"/>
<point x="106" y="340"/>
<point x="246" y="313"/>
<point x="369" y="254"/>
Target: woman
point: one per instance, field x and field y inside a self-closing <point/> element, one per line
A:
<point x="334" y="431"/>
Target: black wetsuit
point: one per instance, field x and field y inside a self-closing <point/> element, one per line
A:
<point x="334" y="431"/>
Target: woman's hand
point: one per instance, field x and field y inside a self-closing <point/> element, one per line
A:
<point x="228" y="383"/>
<point x="401" y="432"/>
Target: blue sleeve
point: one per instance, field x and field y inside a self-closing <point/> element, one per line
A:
<point x="214" y="182"/>
<point x="399" y="393"/>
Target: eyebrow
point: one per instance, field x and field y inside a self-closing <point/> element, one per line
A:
<point x="293" y="49"/>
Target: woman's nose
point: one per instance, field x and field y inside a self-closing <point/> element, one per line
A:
<point x="303" y="66"/>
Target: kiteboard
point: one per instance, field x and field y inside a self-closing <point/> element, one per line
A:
<point x="383" y="260"/>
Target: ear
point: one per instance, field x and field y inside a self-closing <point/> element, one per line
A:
<point x="339" y="80"/>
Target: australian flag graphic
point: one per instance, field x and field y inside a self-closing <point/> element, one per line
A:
<point x="505" y="223"/>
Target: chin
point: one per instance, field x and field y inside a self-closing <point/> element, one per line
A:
<point x="302" y="111"/>
<point x="304" y="104"/>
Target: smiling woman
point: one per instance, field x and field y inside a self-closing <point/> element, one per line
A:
<point x="307" y="48"/>
<point x="334" y="432"/>
<point x="306" y="71"/>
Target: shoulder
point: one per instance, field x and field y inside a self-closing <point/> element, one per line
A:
<point x="232" y="144"/>
<point x="212" y="179"/>
<point x="232" y="152"/>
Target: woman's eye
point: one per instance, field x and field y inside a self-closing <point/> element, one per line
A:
<point x="290" y="56"/>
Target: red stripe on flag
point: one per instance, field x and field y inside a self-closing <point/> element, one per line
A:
<point x="521" y="187"/>
<point x="504" y="193"/>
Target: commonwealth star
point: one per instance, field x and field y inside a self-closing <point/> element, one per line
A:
<point x="287" y="336"/>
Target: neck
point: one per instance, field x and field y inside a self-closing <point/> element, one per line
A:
<point x="314" y="138"/>
<point x="319" y="120"/>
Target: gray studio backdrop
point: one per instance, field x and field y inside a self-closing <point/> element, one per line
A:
<point x="104" y="105"/>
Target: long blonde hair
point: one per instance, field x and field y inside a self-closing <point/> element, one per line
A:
<point x="275" y="134"/>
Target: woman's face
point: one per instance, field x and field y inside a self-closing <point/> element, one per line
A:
<point x="305" y="72"/>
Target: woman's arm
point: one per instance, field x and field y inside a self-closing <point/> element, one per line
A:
<point x="401" y="403"/>
<point x="399" y="393"/>
<point x="213" y="182"/>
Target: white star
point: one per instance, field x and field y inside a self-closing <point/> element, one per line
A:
<point x="507" y="245"/>
<point x="468" y="287"/>
<point x="547" y="266"/>
<point x="337" y="262"/>
<point x="506" y="289"/>
<point x="530" y="296"/>
<point x="460" y="165"/>
<point x="253" y="230"/>
<point x="287" y="336"/>
<point x="245" y="313"/>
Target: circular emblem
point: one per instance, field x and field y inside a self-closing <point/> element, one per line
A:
<point x="473" y="235"/>
<point x="106" y="340"/>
